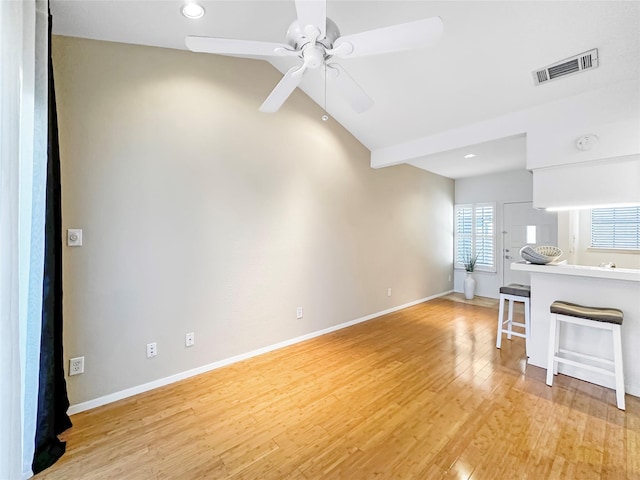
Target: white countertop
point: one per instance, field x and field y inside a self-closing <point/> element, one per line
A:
<point x="628" y="274"/>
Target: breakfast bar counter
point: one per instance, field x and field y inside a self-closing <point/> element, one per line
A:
<point x="594" y="287"/>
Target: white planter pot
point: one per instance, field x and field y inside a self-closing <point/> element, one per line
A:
<point x="469" y="286"/>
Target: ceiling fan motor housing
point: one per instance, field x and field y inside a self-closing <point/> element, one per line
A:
<point x="297" y="38"/>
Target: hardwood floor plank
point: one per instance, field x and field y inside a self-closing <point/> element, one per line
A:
<point x="417" y="394"/>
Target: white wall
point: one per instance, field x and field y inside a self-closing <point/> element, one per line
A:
<point x="498" y="188"/>
<point x="201" y="214"/>
<point x="599" y="182"/>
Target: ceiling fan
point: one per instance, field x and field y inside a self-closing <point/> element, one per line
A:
<point x="316" y="40"/>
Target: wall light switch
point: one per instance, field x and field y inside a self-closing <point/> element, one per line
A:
<point x="74" y="237"/>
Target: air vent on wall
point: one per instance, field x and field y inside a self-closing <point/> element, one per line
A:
<point x="569" y="66"/>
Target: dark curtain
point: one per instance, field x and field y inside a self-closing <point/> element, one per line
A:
<point x="52" y="396"/>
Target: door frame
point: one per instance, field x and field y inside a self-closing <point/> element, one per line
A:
<point x="504" y="232"/>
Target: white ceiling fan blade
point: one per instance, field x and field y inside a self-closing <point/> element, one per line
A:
<point x="348" y="88"/>
<point x="312" y="12"/>
<point x="285" y="87"/>
<point x="228" y="46"/>
<point x="405" y="36"/>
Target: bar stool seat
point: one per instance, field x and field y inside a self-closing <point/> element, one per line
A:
<point x="514" y="292"/>
<point x="609" y="319"/>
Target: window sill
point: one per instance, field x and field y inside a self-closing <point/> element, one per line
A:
<point x="477" y="270"/>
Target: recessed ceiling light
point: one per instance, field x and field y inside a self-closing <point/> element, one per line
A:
<point x="469" y="155"/>
<point x="192" y="10"/>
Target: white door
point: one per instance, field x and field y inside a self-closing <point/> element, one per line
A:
<point x="524" y="225"/>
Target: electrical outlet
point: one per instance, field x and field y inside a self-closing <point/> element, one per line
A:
<point x="189" y="339"/>
<point x="76" y="366"/>
<point x="389" y="292"/>
<point x="449" y="277"/>
<point x="152" y="349"/>
<point x="299" y="312"/>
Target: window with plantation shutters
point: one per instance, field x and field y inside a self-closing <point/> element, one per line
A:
<point x="475" y="235"/>
<point x="464" y="233"/>
<point x="616" y="228"/>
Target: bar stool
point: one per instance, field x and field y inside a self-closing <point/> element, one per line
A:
<point x="603" y="318"/>
<point x="514" y="293"/>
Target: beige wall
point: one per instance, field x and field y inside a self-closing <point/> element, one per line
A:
<point x="201" y="214"/>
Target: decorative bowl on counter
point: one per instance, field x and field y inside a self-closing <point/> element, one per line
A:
<point x="540" y="255"/>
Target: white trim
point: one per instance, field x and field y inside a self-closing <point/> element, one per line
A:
<point x="161" y="382"/>
<point x="613" y="250"/>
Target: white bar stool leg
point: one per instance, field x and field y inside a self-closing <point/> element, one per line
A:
<point x="552" y="346"/>
<point x="617" y="357"/>
<point x="510" y="319"/>
<point x="556" y="348"/>
<point x="500" y="320"/>
<point x="527" y="325"/>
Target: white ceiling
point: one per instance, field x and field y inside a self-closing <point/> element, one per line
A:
<point x="481" y="68"/>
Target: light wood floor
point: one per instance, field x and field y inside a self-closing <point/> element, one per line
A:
<point x="418" y="394"/>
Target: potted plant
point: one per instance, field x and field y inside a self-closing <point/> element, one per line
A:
<point x="469" y="263"/>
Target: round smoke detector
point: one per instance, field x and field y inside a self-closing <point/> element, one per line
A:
<point x="587" y="142"/>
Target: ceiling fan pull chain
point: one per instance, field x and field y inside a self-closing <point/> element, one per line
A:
<point x="325" y="115"/>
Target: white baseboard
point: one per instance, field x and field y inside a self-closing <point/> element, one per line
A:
<point x="161" y="382"/>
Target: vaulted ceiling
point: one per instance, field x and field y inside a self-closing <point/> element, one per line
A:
<point x="481" y="69"/>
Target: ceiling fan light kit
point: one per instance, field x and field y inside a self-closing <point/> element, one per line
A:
<point x="316" y="40"/>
